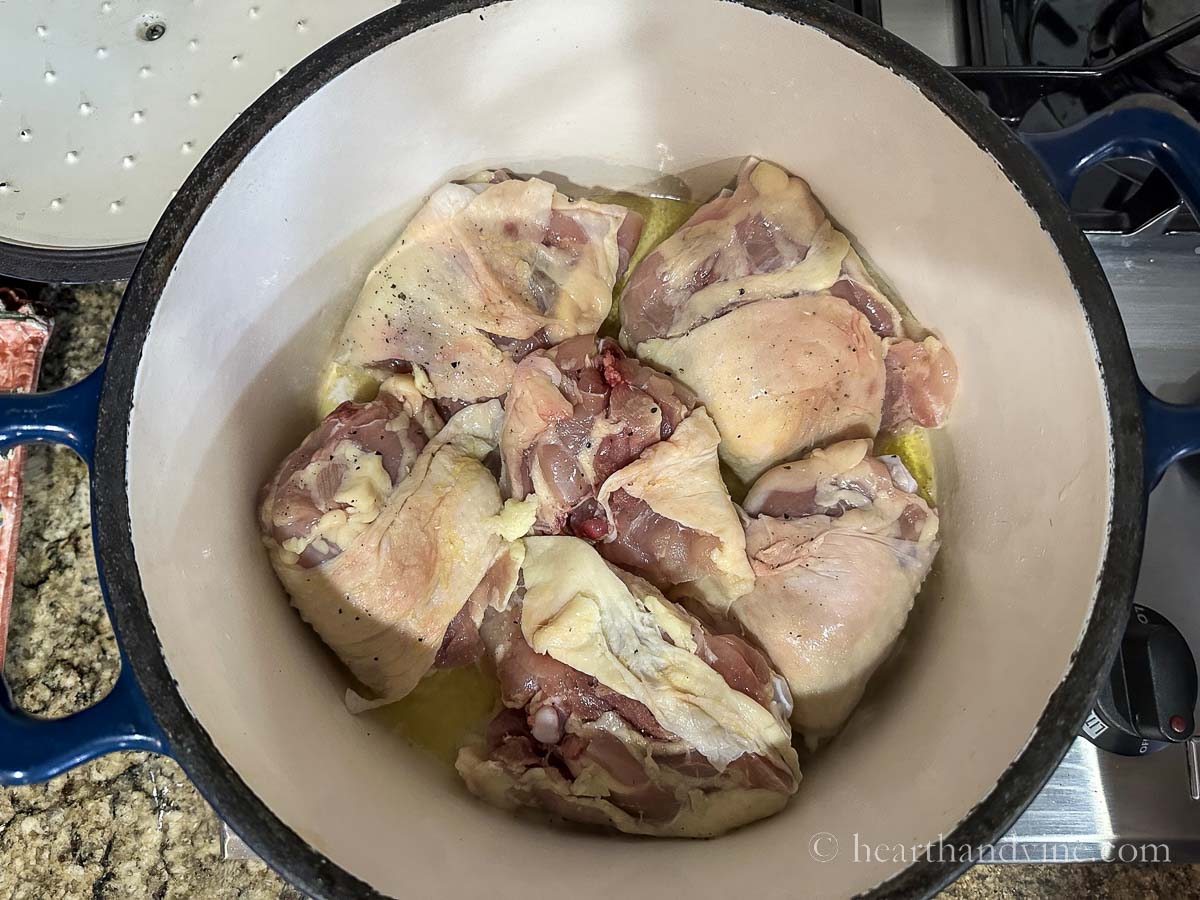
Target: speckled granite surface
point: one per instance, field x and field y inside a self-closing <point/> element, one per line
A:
<point x="130" y="825"/>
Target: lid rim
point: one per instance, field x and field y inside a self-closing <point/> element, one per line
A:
<point x="69" y="265"/>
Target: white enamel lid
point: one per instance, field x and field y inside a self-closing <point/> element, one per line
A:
<point x="106" y="105"/>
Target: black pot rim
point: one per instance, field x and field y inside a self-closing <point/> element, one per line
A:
<point x="190" y="744"/>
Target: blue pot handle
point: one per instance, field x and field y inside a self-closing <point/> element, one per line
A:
<point x="34" y="749"/>
<point x="1156" y="134"/>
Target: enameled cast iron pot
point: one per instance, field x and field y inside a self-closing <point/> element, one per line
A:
<point x="213" y="360"/>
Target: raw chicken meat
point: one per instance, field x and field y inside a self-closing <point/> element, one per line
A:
<point x="622" y="710"/>
<point x="672" y="519"/>
<point x="840" y="543"/>
<point x="751" y="336"/>
<point x="781" y="375"/>
<point x="768" y="238"/>
<point x="614" y="452"/>
<point x="922" y="378"/>
<point x="330" y="488"/>
<point x="486" y="272"/>
<point x="762" y="307"/>
<point x="381" y="549"/>
<point x="576" y="414"/>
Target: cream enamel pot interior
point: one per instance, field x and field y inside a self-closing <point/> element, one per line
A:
<point x="214" y="357"/>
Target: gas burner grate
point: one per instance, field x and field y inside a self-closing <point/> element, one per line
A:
<point x="1043" y="65"/>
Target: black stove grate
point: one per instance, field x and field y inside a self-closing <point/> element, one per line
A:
<point x="1047" y="64"/>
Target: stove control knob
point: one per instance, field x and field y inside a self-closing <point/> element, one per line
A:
<point x="1148" y="700"/>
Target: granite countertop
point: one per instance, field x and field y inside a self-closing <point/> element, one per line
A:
<point x="130" y="824"/>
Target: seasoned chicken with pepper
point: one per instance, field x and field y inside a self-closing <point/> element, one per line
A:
<point x="761" y="306"/>
<point x="616" y="453"/>
<point x="509" y="492"/>
<point x="391" y="537"/>
<point x="840" y="543"/>
<point x="622" y="710"/>
<point x="781" y="375"/>
<point x="487" y="271"/>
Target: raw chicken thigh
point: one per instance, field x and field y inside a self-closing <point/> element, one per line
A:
<point x="621" y="710"/>
<point x="330" y="488"/>
<point x="781" y="375"/>
<point x="764" y="309"/>
<point x="487" y="271"/>
<point x="614" y="452"/>
<point x="840" y="543"/>
<point x="767" y="238"/>
<point x="392" y="539"/>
